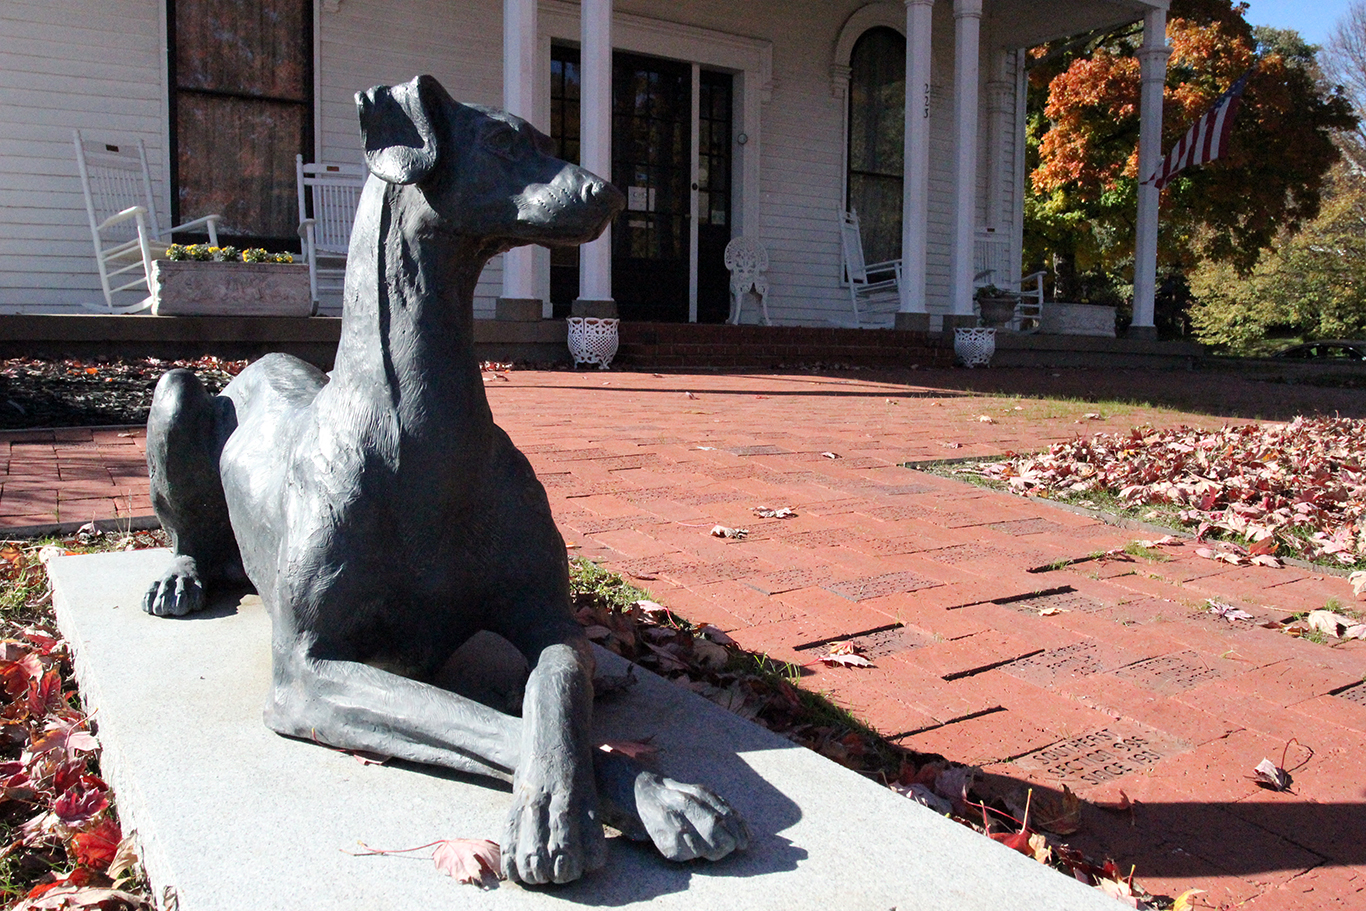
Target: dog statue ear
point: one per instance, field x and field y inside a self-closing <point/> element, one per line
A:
<point x="396" y="126"/>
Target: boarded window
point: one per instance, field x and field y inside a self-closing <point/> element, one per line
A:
<point x="877" y="120"/>
<point x="241" y="108"/>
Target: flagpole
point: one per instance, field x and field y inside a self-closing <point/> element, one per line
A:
<point x="1152" y="58"/>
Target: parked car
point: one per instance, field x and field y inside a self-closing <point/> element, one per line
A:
<point x="1328" y="349"/>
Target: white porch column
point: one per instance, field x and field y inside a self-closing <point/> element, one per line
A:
<point x="595" y="151"/>
<point x="1153" y="60"/>
<point x="519" y="300"/>
<point x="967" y="29"/>
<point x="915" y="203"/>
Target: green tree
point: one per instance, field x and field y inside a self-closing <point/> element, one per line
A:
<point x="1312" y="285"/>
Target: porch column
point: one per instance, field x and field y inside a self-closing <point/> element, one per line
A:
<point x="967" y="29"/>
<point x="915" y="201"/>
<point x="595" y="152"/>
<point x="1153" y="61"/>
<point x="519" y="300"/>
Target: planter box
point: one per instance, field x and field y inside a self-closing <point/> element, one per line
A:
<point x="1078" y="319"/>
<point x="230" y="289"/>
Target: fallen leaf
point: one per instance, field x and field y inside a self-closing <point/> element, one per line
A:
<point x="1358" y="581"/>
<point x="1272" y="776"/>
<point x="1051" y="612"/>
<point x="1119" y="889"/>
<point x="651" y="607"/>
<point x="78" y="805"/>
<point x="833" y="660"/>
<point x="707" y="448"/>
<point x="1060" y="815"/>
<point x="632" y="749"/>
<point x="1123" y="805"/>
<point x="830" y="455"/>
<point x="715" y="635"/>
<point x="1183" y="901"/>
<point x="476" y="861"/>
<point x="690" y="395"/>
<point x="95" y="848"/>
<point x="925" y="797"/>
<point x="1229" y="612"/>
<point x="125" y="859"/>
<point x="365" y="757"/>
<point x="844" y="654"/>
<point x="1329" y="623"/>
<point x="721" y="531"/>
<point x="764" y="512"/>
<point x="1040" y="849"/>
<point x="952" y="445"/>
<point x="1091" y="416"/>
<point x="985" y="419"/>
<point x="1016" y="841"/>
<point x="710" y="654"/>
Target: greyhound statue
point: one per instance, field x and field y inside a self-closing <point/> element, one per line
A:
<point x="384" y="518"/>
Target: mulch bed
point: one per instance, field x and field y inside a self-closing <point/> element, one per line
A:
<point x="75" y="393"/>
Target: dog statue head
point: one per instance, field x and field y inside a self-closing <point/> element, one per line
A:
<point x="481" y="172"/>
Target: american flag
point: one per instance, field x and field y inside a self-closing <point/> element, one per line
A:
<point x="1207" y="138"/>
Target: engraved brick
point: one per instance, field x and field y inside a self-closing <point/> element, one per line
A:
<point x="889" y="642"/>
<point x="1028" y="527"/>
<point x="1067" y="601"/>
<point x="1355" y="694"/>
<point x="824" y="537"/>
<point x="899" y="513"/>
<point x="1102" y="756"/>
<point x="790" y="580"/>
<point x="867" y="587"/>
<point x="762" y="449"/>
<point x="1172" y="673"/>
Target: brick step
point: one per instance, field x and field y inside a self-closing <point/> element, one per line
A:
<point x="665" y="345"/>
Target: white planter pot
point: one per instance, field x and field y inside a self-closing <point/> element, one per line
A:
<point x="974" y="347"/>
<point x="593" y="340"/>
<point x="230" y="289"/>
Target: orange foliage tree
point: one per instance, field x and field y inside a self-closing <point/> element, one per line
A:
<point x="1084" y="143"/>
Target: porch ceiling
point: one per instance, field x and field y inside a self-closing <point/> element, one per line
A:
<point x="1025" y="23"/>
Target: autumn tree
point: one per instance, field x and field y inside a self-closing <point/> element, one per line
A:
<point x="1344" y="64"/>
<point x="1084" y="138"/>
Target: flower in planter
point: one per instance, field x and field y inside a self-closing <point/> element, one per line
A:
<point x="203" y="253"/>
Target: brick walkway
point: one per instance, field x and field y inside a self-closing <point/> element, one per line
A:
<point x="1131" y="685"/>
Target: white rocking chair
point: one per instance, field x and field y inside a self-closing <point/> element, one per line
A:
<point x="123" y="219"/>
<point x="333" y="191"/>
<point x="881" y="296"/>
<point x="747" y="261"/>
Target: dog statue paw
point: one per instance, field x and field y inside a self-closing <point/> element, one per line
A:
<point x="553" y="832"/>
<point x="688" y="821"/>
<point x="178" y="592"/>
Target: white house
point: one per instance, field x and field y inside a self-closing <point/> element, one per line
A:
<point x="765" y="118"/>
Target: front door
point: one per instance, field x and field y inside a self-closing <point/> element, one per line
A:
<point x="663" y="173"/>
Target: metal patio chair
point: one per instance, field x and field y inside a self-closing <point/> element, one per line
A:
<point x="328" y="197"/>
<point x="123" y="218"/>
<point x="747" y="261"/>
<point x="880" y="295"/>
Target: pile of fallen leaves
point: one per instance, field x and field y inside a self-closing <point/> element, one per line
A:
<point x="1296" y="489"/>
<point x="62" y="846"/>
<point x="705" y="660"/>
<point x="70" y="392"/>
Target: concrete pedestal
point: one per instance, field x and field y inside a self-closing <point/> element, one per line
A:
<point x="231" y="817"/>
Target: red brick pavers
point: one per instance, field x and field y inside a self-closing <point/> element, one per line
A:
<point x="76" y="475"/>
<point x="998" y="637"/>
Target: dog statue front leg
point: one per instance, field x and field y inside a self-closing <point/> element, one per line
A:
<point x="554" y="833"/>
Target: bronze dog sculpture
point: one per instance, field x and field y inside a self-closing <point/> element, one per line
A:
<point x="384" y="518"/>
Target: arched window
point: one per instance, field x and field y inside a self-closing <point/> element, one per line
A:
<point x="877" y="118"/>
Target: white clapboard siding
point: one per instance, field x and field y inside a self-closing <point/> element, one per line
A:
<point x="95" y="65"/>
<point x="98" y="65"/>
<point x="366" y="43"/>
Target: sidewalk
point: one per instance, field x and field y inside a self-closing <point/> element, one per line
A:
<point x="1131" y="685"/>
